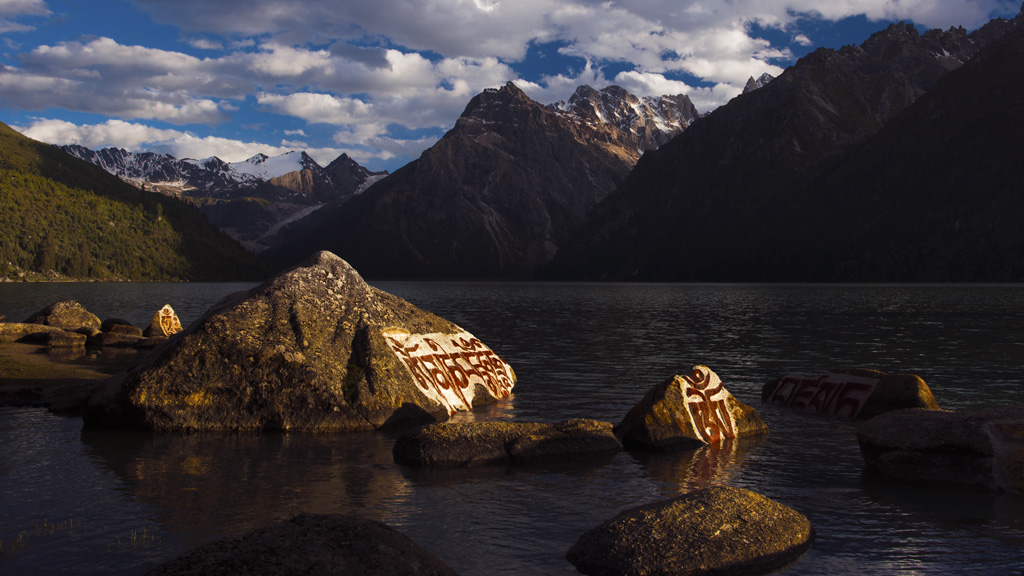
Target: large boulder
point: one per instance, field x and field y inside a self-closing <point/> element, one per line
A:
<point x="686" y="412"/>
<point x="977" y="448"/>
<point x="313" y="349"/>
<point x="718" y="530"/>
<point x="475" y="443"/>
<point x="312" y="545"/>
<point x="66" y="315"/>
<point x="850" y="392"/>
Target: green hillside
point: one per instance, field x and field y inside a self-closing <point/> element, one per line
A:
<point x="62" y="218"/>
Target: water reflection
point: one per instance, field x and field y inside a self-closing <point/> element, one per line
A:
<point x="688" y="470"/>
<point x="214" y="484"/>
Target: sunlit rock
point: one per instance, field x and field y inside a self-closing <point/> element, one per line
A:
<point x="312" y="545"/>
<point x="313" y="349"/>
<point x="66" y="315"/>
<point x="165" y="323"/>
<point x="850" y="393"/>
<point x="717" y="530"/>
<point x="686" y="412"/>
<point x="976" y="448"/>
<point x="474" y="443"/>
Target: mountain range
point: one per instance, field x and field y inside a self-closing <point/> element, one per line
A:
<point x="248" y="200"/>
<point x="888" y="161"/>
<point x="894" y="160"/>
<point x="500" y="192"/>
<point x="63" y="218"/>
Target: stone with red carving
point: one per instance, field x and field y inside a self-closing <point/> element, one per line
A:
<point x="165" y="323"/>
<point x="686" y="412"/>
<point x="858" y="393"/>
<point x="313" y="349"/>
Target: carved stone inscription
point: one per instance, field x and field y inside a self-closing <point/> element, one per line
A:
<point x="834" y="394"/>
<point x="706" y="402"/>
<point x="448" y="367"/>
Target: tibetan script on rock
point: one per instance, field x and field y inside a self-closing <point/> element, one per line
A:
<point x="165" y="322"/>
<point x="706" y="396"/>
<point x="841" y="395"/>
<point x="450" y="367"/>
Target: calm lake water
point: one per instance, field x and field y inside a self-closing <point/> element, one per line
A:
<point x="99" y="502"/>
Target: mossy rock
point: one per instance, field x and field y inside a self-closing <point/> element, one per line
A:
<point x="314" y="349"/>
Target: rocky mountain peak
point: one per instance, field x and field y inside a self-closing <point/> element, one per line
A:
<point x="760" y="82"/>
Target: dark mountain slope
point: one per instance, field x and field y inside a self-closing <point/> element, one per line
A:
<point x="495" y="197"/>
<point x="64" y="216"/>
<point x="938" y="194"/>
<point x="721" y="201"/>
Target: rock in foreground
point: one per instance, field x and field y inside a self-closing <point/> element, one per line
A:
<point x="475" y="443"/>
<point x="686" y="412"/>
<point x="976" y="448"/>
<point x="312" y="545"/>
<point x="718" y="530"/>
<point x="850" y="393"/>
<point x="313" y="349"/>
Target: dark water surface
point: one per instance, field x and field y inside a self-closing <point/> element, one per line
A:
<point x="76" y="501"/>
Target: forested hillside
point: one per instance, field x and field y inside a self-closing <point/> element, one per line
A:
<point x="63" y="218"/>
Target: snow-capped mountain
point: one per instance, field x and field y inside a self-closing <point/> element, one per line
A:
<point x="287" y="186"/>
<point x="646" y="122"/>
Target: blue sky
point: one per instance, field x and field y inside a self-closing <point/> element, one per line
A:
<point x="383" y="80"/>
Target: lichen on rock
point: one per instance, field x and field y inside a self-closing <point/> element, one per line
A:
<point x="312" y="349"/>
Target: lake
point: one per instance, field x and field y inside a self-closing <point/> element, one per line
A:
<point x="76" y="501"/>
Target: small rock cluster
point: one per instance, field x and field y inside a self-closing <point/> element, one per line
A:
<point x="67" y="324"/>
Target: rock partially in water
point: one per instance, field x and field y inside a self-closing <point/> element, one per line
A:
<point x="976" y="448"/>
<point x="66" y="315"/>
<point x="165" y="323"/>
<point x="850" y="392"/>
<point x="686" y="412"/>
<point x="476" y="443"/>
<point x="718" y="530"/>
<point x="313" y="349"/>
<point x="65" y="339"/>
<point x="311" y="545"/>
<point x="22" y="332"/>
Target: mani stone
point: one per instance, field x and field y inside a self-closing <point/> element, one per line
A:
<point x="165" y="324"/>
<point x="858" y="393"/>
<point x="686" y="412"/>
<point x="475" y="443"/>
<point x="313" y="349"/>
<point x="975" y="448"/>
<point x="311" y="545"/>
<point x="718" y="530"/>
<point x="66" y="315"/>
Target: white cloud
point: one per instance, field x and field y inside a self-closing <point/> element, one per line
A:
<point x="10" y="10"/>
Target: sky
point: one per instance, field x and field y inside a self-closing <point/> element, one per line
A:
<point x="383" y="80"/>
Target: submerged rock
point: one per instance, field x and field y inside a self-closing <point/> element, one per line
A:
<point x="312" y="545"/>
<point x="475" y="443"/>
<point x="850" y="392"/>
<point x="313" y="349"/>
<point x="686" y="412"/>
<point x="718" y="530"/>
<point x="976" y="448"/>
<point x="66" y="315"/>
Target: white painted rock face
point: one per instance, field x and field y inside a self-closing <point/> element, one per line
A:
<point x="451" y="368"/>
